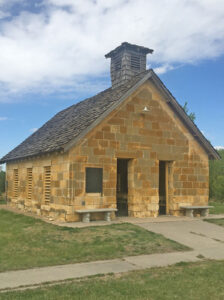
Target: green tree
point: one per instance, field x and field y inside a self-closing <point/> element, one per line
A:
<point x="216" y="179"/>
<point x="190" y="115"/>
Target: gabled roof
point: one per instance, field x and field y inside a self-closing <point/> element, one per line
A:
<point x="70" y="125"/>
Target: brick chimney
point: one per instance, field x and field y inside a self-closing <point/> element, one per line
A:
<point x="127" y="60"/>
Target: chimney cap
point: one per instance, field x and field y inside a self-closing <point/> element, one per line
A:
<point x="127" y="46"/>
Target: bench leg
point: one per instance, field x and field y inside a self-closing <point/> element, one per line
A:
<point x="204" y="212"/>
<point x="107" y="216"/>
<point x="189" y="213"/>
<point x="86" y="217"/>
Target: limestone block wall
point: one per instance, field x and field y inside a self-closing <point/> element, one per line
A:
<point x="60" y="186"/>
<point x="145" y="139"/>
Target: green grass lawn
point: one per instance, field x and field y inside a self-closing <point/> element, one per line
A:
<point x="219" y="222"/>
<point x="26" y="242"/>
<point x="194" y="281"/>
<point x="218" y="207"/>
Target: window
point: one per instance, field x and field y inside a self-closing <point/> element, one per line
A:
<point x="135" y="62"/>
<point x="15" y="183"/>
<point x="29" y="183"/>
<point x="47" y="184"/>
<point x="94" y="180"/>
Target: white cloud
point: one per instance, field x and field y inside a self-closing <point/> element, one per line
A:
<point x="33" y="130"/>
<point x="219" y="147"/>
<point x="163" y="69"/>
<point x="3" y="118"/>
<point x="64" y="43"/>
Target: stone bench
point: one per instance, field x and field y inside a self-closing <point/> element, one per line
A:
<point x="86" y="213"/>
<point x="204" y="210"/>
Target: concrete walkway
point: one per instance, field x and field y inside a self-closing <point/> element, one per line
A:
<point x="206" y="239"/>
<point x="14" y="279"/>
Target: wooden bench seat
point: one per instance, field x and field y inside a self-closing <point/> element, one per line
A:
<point x="189" y="210"/>
<point x="86" y="213"/>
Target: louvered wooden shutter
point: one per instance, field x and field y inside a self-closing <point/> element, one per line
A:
<point x="135" y="62"/>
<point x="29" y="183"/>
<point x="47" y="184"/>
<point x="15" y="183"/>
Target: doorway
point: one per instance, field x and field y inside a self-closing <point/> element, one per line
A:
<point x="163" y="187"/>
<point x="122" y="187"/>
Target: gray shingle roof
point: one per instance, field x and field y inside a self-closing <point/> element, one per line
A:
<point x="70" y="122"/>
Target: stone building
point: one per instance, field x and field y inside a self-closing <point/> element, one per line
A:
<point x="130" y="147"/>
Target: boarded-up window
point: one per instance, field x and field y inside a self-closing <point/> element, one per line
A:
<point x="135" y="62"/>
<point x="29" y="183"/>
<point x="47" y="184"/>
<point x="94" y="180"/>
<point x="15" y="183"/>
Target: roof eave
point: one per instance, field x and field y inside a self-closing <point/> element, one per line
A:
<point x="40" y="154"/>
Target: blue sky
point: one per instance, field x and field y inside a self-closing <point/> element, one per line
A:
<point x="52" y="56"/>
